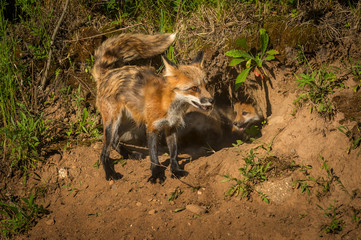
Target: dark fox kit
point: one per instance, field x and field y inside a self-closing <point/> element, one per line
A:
<point x="136" y="94"/>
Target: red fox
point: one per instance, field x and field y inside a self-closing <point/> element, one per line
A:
<point x="130" y="95"/>
<point x="223" y="124"/>
<point x="244" y="116"/>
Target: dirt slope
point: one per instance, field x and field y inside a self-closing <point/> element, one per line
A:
<point x="85" y="206"/>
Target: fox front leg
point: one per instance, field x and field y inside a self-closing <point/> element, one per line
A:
<point x="155" y="167"/>
<point x="171" y="138"/>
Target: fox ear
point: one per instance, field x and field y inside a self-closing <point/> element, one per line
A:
<point x="199" y="60"/>
<point x="170" y="67"/>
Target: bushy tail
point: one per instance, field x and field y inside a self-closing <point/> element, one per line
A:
<point x="127" y="47"/>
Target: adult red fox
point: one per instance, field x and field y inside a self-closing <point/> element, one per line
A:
<point x="135" y="94"/>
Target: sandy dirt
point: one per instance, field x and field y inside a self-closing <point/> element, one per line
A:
<point x="83" y="205"/>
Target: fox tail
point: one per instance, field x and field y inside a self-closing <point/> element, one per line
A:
<point x="127" y="47"/>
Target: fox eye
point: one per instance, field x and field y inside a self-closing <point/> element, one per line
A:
<point x="244" y="113"/>
<point x="195" y="89"/>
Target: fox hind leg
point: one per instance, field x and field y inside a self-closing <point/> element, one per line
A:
<point x="108" y="163"/>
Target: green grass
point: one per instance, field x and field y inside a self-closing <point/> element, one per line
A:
<point x="335" y="224"/>
<point x="318" y="85"/>
<point x="252" y="173"/>
<point x="21" y="129"/>
<point x="18" y="215"/>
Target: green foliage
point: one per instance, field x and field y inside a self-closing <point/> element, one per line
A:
<point x="322" y="184"/>
<point x="319" y="85"/>
<point x="17" y="216"/>
<point x="22" y="131"/>
<point x="174" y="195"/>
<point x="253" y="61"/>
<point x="336" y="224"/>
<point x="85" y="123"/>
<point x="354" y="138"/>
<point x="24" y="138"/>
<point x="253" y="172"/>
<point x="355" y="68"/>
<point x="161" y="12"/>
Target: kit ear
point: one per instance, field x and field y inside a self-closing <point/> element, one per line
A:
<point x="170" y="66"/>
<point x="198" y="60"/>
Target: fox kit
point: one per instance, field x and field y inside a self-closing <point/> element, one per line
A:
<point x="245" y="115"/>
<point x="224" y="123"/>
<point x="127" y="93"/>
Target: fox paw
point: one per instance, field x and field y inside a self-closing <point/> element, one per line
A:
<point x="157" y="173"/>
<point x="179" y="173"/>
<point x="113" y="176"/>
<point x="153" y="179"/>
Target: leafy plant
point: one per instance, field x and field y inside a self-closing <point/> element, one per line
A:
<point x="253" y="172"/>
<point x="174" y="195"/>
<point x="323" y="183"/>
<point x="355" y="68"/>
<point x="303" y="185"/>
<point x="336" y="225"/>
<point x="319" y="84"/>
<point x="85" y="123"/>
<point x="253" y="61"/>
<point x="18" y="216"/>
<point x="354" y="138"/>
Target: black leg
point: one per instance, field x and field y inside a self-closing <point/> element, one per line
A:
<point x="108" y="164"/>
<point x="171" y="138"/>
<point x="155" y="167"/>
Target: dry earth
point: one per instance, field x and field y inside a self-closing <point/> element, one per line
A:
<point x="84" y="206"/>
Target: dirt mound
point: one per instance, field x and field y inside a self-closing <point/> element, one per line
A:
<point x="313" y="153"/>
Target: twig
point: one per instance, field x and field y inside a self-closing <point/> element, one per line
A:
<point x="43" y="81"/>
<point x="101" y="34"/>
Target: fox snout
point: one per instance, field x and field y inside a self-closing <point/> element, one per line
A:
<point x="240" y="125"/>
<point x="204" y="103"/>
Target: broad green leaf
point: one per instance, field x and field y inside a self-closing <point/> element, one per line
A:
<point x="272" y="52"/>
<point x="269" y="58"/>
<point x="242" y="42"/>
<point x="264" y="40"/>
<point x="236" y="61"/>
<point x="241" y="78"/>
<point x="234" y="53"/>
<point x="238" y="54"/>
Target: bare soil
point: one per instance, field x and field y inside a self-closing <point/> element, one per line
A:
<point x="85" y="206"/>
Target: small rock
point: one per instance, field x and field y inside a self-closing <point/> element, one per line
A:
<point x="111" y="182"/>
<point x="50" y="222"/>
<point x="63" y="173"/>
<point x="196" y="209"/>
<point x="152" y="212"/>
<point x="138" y="204"/>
